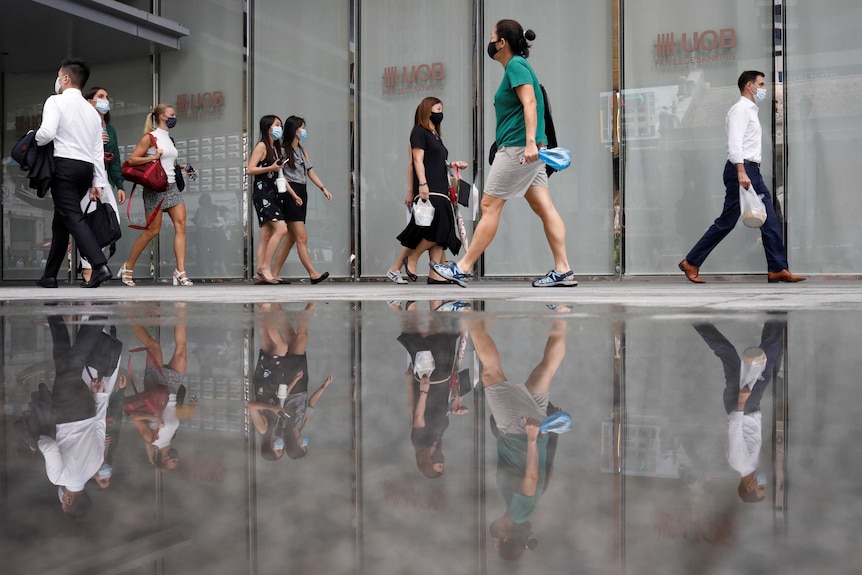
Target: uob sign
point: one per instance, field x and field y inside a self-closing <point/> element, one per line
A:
<point x="695" y="47"/>
<point x="413" y="79"/>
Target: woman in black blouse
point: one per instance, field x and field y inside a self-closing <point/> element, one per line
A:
<point x="429" y="181"/>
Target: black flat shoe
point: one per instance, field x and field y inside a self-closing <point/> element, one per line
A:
<point x="413" y="277"/>
<point x="47" y="282"/>
<point x="99" y="275"/>
<point x="322" y="277"/>
<point x="432" y="281"/>
<point x="283" y="281"/>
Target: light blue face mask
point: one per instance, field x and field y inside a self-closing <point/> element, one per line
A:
<point x="302" y="134"/>
<point x="103" y="106"/>
<point x="304" y="441"/>
<point x="760" y="478"/>
<point x="277" y="132"/>
<point x="105" y="471"/>
<point x="278" y="443"/>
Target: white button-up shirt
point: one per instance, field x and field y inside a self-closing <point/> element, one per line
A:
<point x="744" y="441"/>
<point x="75" y="127"/>
<point x="743" y="132"/>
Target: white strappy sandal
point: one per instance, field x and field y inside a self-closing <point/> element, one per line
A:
<point x="180" y="278"/>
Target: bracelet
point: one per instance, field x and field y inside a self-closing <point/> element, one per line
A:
<point x="423" y="184"/>
<point x="421" y="392"/>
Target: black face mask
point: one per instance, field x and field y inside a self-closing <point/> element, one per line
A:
<point x="436" y="118"/>
<point x="492" y="49"/>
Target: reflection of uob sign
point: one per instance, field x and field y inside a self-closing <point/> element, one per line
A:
<point x="696" y="48"/>
<point x="412" y="79"/>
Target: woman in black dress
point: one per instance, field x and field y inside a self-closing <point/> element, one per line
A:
<point x="430" y="182"/>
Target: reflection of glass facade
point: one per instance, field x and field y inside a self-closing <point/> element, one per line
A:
<point x="644" y="120"/>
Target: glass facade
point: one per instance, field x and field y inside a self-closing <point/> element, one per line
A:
<point x="643" y="117"/>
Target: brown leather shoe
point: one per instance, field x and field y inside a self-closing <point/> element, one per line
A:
<point x="784" y="276"/>
<point x="691" y="272"/>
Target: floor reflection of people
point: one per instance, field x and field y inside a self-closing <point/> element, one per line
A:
<point x="524" y="455"/>
<point x="745" y="381"/>
<point x="67" y="423"/>
<point x="155" y="412"/>
<point x="435" y="384"/>
<point x="282" y="408"/>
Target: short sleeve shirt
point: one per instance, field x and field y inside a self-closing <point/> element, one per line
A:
<point x="435" y="159"/>
<point x="511" y="127"/>
<point x="302" y="165"/>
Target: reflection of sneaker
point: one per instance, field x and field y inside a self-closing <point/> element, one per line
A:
<point x="459" y="305"/>
<point x="554" y="279"/>
<point x="450" y="271"/>
<point x="395" y="277"/>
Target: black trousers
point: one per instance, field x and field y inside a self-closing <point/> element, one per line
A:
<point x="71" y="180"/>
<point x="72" y="398"/>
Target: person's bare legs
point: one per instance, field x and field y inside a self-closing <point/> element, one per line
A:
<point x="283" y="251"/>
<point x="432" y="249"/>
<point x="300" y="236"/>
<point x="178" y="217"/>
<point x="399" y="261"/>
<point x="486" y="349"/>
<point x="271" y="340"/>
<point x="539" y="380"/>
<point x="270" y="236"/>
<point x="143" y="240"/>
<point x="486" y="229"/>
<point x="555" y="230"/>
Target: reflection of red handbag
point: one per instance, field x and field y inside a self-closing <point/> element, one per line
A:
<point x="150" y="401"/>
<point x="150" y="175"/>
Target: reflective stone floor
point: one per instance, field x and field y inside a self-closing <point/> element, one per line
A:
<point x="398" y="437"/>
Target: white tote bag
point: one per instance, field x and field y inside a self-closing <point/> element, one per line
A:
<point x="751" y="207"/>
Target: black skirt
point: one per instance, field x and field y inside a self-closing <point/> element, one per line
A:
<point x="443" y="231"/>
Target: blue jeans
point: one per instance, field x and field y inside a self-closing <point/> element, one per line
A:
<point x="770" y="232"/>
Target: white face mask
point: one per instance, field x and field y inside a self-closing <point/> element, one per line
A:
<point x="57" y="85"/>
<point x="760" y="95"/>
<point x="103" y="106"/>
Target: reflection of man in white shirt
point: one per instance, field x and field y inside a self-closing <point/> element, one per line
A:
<point x="80" y="402"/>
<point x="745" y="381"/>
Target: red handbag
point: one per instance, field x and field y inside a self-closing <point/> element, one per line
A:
<point x="151" y="175"/>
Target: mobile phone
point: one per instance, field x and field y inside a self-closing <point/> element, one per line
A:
<point x="191" y="172"/>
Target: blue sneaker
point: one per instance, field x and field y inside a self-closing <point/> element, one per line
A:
<point x="554" y="279"/>
<point x="454" y="306"/>
<point x="450" y="271"/>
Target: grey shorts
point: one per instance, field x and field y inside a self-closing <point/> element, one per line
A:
<point x="509" y="178"/>
<point x="509" y="402"/>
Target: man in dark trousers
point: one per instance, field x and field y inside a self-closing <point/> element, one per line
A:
<point x="75" y="127"/>
<point x="744" y="151"/>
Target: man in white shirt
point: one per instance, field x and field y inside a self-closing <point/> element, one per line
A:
<point x="744" y="152"/>
<point x="75" y="127"/>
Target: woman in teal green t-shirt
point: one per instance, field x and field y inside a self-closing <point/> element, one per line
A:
<point x="517" y="170"/>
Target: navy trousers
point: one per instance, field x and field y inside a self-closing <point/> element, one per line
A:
<point x="770" y="232"/>
<point x="71" y="181"/>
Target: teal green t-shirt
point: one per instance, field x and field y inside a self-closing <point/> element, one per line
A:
<point x="511" y="467"/>
<point x="511" y="128"/>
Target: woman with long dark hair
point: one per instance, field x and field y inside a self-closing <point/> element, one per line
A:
<point x="98" y="97"/>
<point x="429" y="181"/>
<point x="264" y="164"/>
<point x="298" y="170"/>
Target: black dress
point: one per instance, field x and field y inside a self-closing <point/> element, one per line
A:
<point x="442" y="230"/>
<point x="265" y="197"/>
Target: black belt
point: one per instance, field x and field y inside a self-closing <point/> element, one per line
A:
<point x="749" y="162"/>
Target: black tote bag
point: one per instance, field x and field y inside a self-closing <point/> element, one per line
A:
<point x="103" y="222"/>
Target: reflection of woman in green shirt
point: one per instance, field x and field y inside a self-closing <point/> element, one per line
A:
<point x="524" y="455"/>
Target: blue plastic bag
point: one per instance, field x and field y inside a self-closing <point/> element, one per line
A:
<point x="559" y="422"/>
<point x="557" y="158"/>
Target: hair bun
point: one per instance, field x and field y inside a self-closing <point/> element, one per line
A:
<point x="530" y="35"/>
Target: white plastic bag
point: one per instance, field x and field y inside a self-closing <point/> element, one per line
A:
<point x="424" y="364"/>
<point x="751" y="367"/>
<point x="423" y="213"/>
<point x="751" y="207"/>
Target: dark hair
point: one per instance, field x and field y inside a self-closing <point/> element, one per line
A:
<point x="513" y="33"/>
<point x="266" y="123"/>
<point x="423" y="113"/>
<point x="291" y="125"/>
<point x="78" y="71"/>
<point x="518" y="539"/>
<point x="91" y="93"/>
<point x="746" y="77"/>
<point x="80" y="507"/>
<point x="425" y="459"/>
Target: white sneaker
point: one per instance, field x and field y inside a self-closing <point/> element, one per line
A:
<point x="395" y="277"/>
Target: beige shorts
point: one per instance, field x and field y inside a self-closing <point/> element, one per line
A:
<point x="509" y="178"/>
<point x="509" y="402"/>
